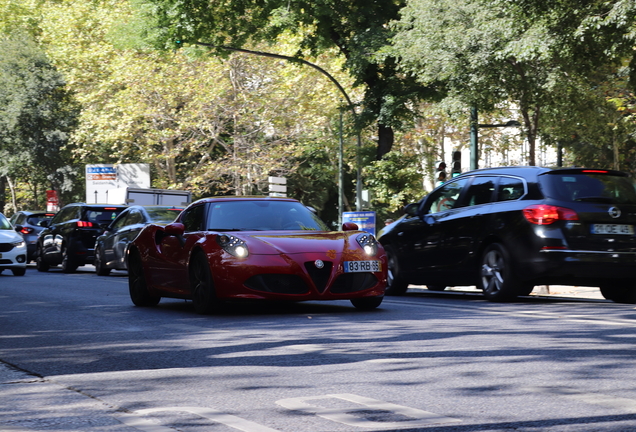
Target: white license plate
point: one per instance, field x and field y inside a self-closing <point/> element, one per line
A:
<point x="362" y="266"/>
<point x="613" y="229"/>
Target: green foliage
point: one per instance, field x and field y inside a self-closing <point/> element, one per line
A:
<point x="357" y="29"/>
<point x="394" y="181"/>
<point x="36" y="115"/>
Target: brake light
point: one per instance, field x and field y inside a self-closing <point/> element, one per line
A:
<point x="84" y="224"/>
<point x="595" y="171"/>
<point x="110" y="208"/>
<point x="26" y="230"/>
<point x="543" y="214"/>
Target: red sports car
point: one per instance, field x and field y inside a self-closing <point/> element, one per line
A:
<point x="254" y="248"/>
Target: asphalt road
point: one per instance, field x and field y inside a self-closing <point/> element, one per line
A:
<point x="78" y="356"/>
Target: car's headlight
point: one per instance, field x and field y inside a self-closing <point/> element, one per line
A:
<point x="18" y="243"/>
<point x="368" y="243"/>
<point x="233" y="245"/>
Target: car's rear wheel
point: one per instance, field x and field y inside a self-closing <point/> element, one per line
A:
<point x="40" y="264"/>
<point x="619" y="291"/>
<point x="137" y="286"/>
<point x="367" y="303"/>
<point x="100" y="267"/>
<point x="19" y="271"/>
<point x="202" y="285"/>
<point x="68" y="264"/>
<point x="395" y="285"/>
<point x="496" y="278"/>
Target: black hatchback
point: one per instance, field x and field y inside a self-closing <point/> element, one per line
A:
<point x="69" y="238"/>
<point x="506" y="230"/>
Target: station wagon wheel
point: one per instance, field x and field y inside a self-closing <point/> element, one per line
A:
<point x="40" y="265"/>
<point x="68" y="266"/>
<point x="367" y="303"/>
<point x="395" y="285"/>
<point x="203" y="292"/>
<point x="137" y="286"/>
<point x="496" y="277"/>
<point x="100" y="269"/>
<point x="619" y="291"/>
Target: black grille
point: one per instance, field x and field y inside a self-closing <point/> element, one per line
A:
<point x="353" y="282"/>
<point x="5" y="247"/>
<point x="5" y="261"/>
<point x="277" y="283"/>
<point x="319" y="276"/>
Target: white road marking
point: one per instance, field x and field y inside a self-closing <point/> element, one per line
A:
<point x="347" y="415"/>
<point x="211" y="414"/>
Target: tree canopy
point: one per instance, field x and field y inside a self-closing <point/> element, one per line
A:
<point x="357" y="29"/>
<point x="532" y="53"/>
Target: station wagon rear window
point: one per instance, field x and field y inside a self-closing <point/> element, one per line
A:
<point x="589" y="186"/>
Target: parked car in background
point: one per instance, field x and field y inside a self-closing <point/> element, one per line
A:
<point x="28" y="224"/>
<point x="248" y="248"/>
<point x="111" y="248"/>
<point x="68" y="239"/>
<point x="506" y="230"/>
<point x="13" y="251"/>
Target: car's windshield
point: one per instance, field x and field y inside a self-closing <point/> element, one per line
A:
<point x="590" y="187"/>
<point x="163" y="215"/>
<point x="262" y="215"/>
<point x="4" y="223"/>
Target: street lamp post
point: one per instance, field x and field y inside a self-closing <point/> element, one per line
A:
<point x="474" y="135"/>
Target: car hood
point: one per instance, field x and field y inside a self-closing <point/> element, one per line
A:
<point x="7" y="236"/>
<point x="301" y="242"/>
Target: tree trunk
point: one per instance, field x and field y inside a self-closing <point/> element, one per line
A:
<point x="385" y="140"/>
<point x="3" y="187"/>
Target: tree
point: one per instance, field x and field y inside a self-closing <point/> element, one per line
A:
<point x="529" y="52"/>
<point x="356" y="28"/>
<point x="36" y="115"/>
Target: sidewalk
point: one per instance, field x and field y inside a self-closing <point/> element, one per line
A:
<point x="29" y="403"/>
<point x="593" y="293"/>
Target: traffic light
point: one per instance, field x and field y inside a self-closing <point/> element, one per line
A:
<point x="456" y="169"/>
<point x="440" y="173"/>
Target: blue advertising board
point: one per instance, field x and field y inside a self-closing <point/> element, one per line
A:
<point x="364" y="219"/>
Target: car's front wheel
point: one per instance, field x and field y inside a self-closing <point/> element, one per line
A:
<point x="395" y="285"/>
<point x="619" y="291"/>
<point x="496" y="277"/>
<point x="137" y="286"/>
<point x="367" y="303"/>
<point x="202" y="285"/>
<point x="100" y="267"/>
<point x="18" y="271"/>
<point x="40" y="264"/>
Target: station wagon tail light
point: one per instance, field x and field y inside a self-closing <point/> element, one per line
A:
<point x="233" y="245"/>
<point x="543" y="214"/>
<point x="368" y="243"/>
<point x="26" y="230"/>
<point x="84" y="224"/>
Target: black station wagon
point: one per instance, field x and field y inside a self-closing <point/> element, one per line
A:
<point x="506" y="230"/>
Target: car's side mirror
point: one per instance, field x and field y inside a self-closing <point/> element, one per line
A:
<point x="18" y="228"/>
<point x="412" y="209"/>
<point x="174" y="229"/>
<point x="349" y="226"/>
